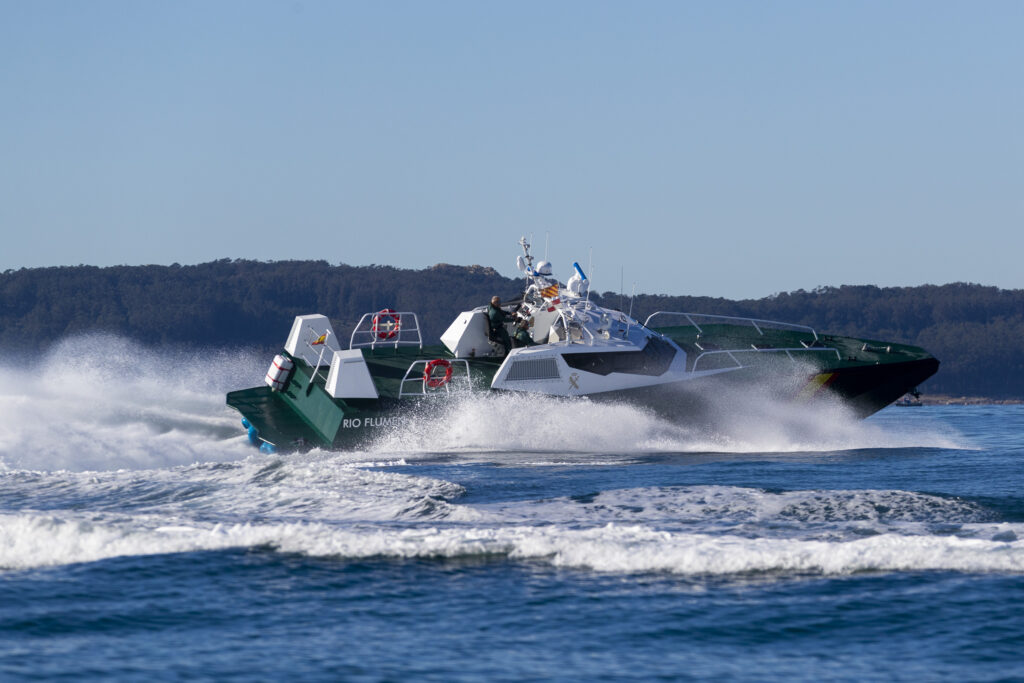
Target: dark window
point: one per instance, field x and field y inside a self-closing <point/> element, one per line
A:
<point x="653" y="360"/>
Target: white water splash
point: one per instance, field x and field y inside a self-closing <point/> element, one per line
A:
<point x="100" y="402"/>
<point x="108" y="449"/>
<point x="523" y="423"/>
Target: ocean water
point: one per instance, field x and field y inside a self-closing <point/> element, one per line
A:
<point x="142" y="538"/>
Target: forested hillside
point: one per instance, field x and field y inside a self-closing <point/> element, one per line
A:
<point x="977" y="332"/>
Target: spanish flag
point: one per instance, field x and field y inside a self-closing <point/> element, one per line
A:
<point x="319" y="340"/>
<point x="550" y="292"/>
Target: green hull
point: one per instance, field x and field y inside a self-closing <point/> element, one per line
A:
<point x="866" y="375"/>
<point x="304" y="415"/>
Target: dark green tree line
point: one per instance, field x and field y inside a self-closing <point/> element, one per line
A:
<point x="975" y="331"/>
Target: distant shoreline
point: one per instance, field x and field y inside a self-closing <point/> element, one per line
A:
<point x="974" y="331"/>
<point x="944" y="400"/>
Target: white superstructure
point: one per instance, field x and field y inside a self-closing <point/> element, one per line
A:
<point x="578" y="346"/>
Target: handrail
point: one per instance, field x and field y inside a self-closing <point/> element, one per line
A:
<point x="320" y="341"/>
<point x="467" y="379"/>
<point x="579" y="325"/>
<point x="788" y="352"/>
<point x="404" y="334"/>
<point x="752" y="321"/>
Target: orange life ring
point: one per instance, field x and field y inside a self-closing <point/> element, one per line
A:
<point x="428" y="374"/>
<point x="386" y="324"/>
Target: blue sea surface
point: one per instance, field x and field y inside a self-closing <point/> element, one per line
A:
<point x="142" y="539"/>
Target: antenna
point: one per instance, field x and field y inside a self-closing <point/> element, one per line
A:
<point x="588" y="287"/>
<point x="526" y="246"/>
<point x="590" y="269"/>
<point x="622" y="272"/>
<point x="630" y="314"/>
<point x="547" y="238"/>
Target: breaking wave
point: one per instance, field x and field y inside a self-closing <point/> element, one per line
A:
<point x="110" y="449"/>
<point x="44" y="540"/>
<point x="320" y="505"/>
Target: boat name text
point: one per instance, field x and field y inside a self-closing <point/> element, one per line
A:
<point x="358" y="422"/>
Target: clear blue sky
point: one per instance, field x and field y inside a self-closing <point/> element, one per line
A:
<point x="716" y="148"/>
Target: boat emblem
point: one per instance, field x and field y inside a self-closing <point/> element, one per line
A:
<point x="572" y="380"/>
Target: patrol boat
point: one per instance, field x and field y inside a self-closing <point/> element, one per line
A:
<point x="320" y="393"/>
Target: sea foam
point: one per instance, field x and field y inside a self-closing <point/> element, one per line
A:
<point x="44" y="540"/>
<point x="101" y="402"/>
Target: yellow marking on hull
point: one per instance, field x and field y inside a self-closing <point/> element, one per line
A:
<point x="814" y="386"/>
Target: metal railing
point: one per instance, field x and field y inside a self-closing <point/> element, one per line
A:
<point x="419" y="379"/>
<point x="731" y="354"/>
<point x="313" y="339"/>
<point x="386" y="328"/>
<point x="571" y="325"/>
<point x="755" y="322"/>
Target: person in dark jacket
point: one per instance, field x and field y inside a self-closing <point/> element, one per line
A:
<point x="496" y="319"/>
<point x="522" y="336"/>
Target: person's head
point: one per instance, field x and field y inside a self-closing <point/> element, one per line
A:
<point x="496" y="301"/>
<point x="524" y="324"/>
<point x="544" y="268"/>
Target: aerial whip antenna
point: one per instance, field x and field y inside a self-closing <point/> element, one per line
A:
<point x="622" y="273"/>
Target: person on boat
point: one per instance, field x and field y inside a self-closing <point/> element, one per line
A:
<point x="522" y="336"/>
<point x="496" y="319"/>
